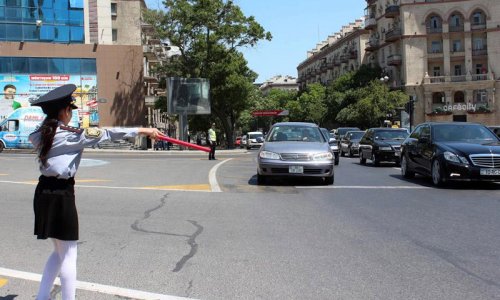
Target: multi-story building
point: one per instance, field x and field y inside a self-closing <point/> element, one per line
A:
<point x="279" y="82"/>
<point x="96" y="45"/>
<point x="444" y="53"/>
<point x="342" y="52"/>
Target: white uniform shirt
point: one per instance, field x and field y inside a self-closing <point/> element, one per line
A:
<point x="67" y="148"/>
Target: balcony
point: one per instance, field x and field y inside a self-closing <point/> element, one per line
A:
<point x="370" y="23"/>
<point x="372" y="45"/>
<point x="149" y="52"/>
<point x="479" y="77"/>
<point x="394" y="60"/>
<point x="477" y="26"/>
<point x="456" y="28"/>
<point x="480" y="52"/>
<point x="434" y="29"/>
<point x="458" y="78"/>
<point x="392" y="11"/>
<point x="336" y="62"/>
<point x="393" y="35"/>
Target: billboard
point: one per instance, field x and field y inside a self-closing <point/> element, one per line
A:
<point x="188" y="96"/>
<point x="20" y="90"/>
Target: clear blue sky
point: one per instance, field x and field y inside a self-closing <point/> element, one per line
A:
<point x="297" y="26"/>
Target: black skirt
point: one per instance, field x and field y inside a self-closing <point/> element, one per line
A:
<point x="55" y="210"/>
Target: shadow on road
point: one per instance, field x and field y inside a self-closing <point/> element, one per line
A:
<point x="454" y="185"/>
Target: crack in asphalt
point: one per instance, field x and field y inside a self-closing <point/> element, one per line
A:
<point x="191" y="241"/>
<point x="189" y="288"/>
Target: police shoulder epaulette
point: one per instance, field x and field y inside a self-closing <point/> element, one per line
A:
<point x="71" y="128"/>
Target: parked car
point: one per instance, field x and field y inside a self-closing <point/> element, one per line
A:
<point x="254" y="139"/>
<point x="452" y="152"/>
<point x="350" y="143"/>
<point x="495" y="129"/>
<point x="237" y="143"/>
<point x="381" y="144"/>
<point x="243" y="143"/>
<point x="295" y="149"/>
<point x="333" y="144"/>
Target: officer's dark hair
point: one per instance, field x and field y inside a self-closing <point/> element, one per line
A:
<point x="48" y="129"/>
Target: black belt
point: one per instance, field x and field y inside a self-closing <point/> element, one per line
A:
<point x="54" y="181"/>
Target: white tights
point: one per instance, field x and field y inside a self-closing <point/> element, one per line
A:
<point x="63" y="262"/>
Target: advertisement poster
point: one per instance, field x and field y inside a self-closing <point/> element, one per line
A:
<point x="20" y="90"/>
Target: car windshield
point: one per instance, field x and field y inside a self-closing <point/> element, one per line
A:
<point x="255" y="135"/>
<point x="297" y="133"/>
<point x="356" y="135"/>
<point x="462" y="133"/>
<point x="391" y="134"/>
<point x="326" y="133"/>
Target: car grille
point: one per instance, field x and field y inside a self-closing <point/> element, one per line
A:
<point x="306" y="171"/>
<point x="397" y="148"/>
<point x="486" y="160"/>
<point x="295" y="156"/>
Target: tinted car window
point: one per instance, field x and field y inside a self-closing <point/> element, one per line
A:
<point x="416" y="133"/>
<point x="462" y="133"/>
<point x="356" y="135"/>
<point x="390" y="135"/>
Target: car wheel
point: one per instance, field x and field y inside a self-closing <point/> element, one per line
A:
<point x="362" y="160"/>
<point x="329" y="180"/>
<point x="375" y="160"/>
<point x="261" y="179"/>
<point x="337" y="160"/>
<point x="437" y="173"/>
<point x="405" y="170"/>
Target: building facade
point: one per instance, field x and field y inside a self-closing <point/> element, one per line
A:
<point x="97" y="45"/>
<point x="342" y="52"/>
<point x="279" y="82"/>
<point x="444" y="53"/>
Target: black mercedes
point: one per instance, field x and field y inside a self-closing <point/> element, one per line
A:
<point x="451" y="152"/>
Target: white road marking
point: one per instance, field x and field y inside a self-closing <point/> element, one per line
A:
<point x="94" y="287"/>
<point x="212" y="178"/>
<point x="395" y="187"/>
<point x="85" y="162"/>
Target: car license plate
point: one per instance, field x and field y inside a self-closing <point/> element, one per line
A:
<point x="490" y="172"/>
<point x="296" y="169"/>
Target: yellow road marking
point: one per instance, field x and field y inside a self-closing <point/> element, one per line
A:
<point x="189" y="187"/>
<point x="3" y="282"/>
<point x="3" y="174"/>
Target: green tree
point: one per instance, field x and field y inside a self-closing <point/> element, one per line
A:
<point x="208" y="34"/>
<point x="310" y="106"/>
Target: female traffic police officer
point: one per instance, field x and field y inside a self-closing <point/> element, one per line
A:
<point x="60" y="150"/>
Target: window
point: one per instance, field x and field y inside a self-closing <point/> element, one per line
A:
<point x="38" y="65"/>
<point x="458" y="70"/>
<point x="416" y="132"/>
<point x="455" y="21"/>
<point x="457" y="46"/>
<point x="436" y="47"/>
<point x="56" y="65"/>
<point x="436" y="71"/>
<point x="479" y="44"/>
<point x="114" y="9"/>
<point x="477" y="18"/>
<point x="480" y="96"/>
<point x="114" y="35"/>
<point x="459" y="97"/>
<point x="20" y="65"/>
<point x="88" y="66"/>
<point x="435" y="22"/>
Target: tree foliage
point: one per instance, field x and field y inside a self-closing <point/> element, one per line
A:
<point x="208" y="34"/>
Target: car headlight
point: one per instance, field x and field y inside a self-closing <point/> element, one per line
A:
<point x="322" y="156"/>
<point x="269" y="155"/>
<point x="450" y="156"/>
<point x="385" y="148"/>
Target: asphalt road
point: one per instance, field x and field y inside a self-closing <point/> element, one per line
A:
<point x="153" y="225"/>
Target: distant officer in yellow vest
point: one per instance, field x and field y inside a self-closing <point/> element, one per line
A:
<point x="212" y="139"/>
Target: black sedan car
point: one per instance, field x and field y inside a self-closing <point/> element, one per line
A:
<point x="381" y="144"/>
<point x="452" y="152"/>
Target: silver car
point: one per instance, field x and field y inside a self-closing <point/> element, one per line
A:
<point x="295" y="149"/>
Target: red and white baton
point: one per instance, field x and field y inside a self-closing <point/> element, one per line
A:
<point x="182" y="143"/>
